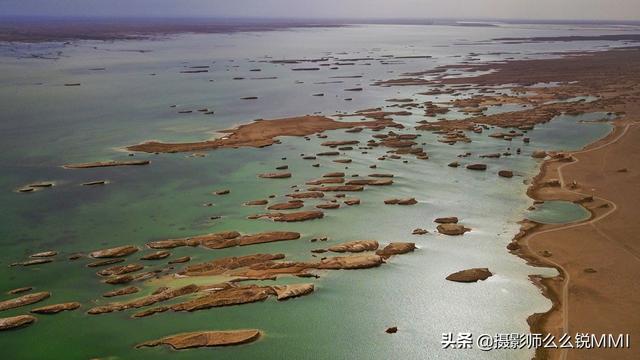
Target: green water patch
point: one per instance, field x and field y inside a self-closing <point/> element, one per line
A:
<point x="558" y="212"/>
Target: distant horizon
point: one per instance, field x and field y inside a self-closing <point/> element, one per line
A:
<point x="579" y="10"/>
<point x="342" y="20"/>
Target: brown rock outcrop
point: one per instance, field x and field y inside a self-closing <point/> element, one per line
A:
<point x="220" y="266"/>
<point x="352" y="201"/>
<point x="329" y="180"/>
<point x="505" y="173"/>
<point x="106" y="164"/>
<point x="158" y="255"/>
<point x="408" y="201"/>
<point x="122" y="291"/>
<point x="480" y="167"/>
<point x="56" y="308"/>
<point x="120" y="270"/>
<point x="44" y="254"/>
<point x="227" y="297"/>
<point x="284" y="292"/>
<point x="328" y="206"/>
<point x="539" y="154"/>
<point x="470" y="275"/>
<point x="287" y="206"/>
<point x="372" y="182"/>
<point x="266" y="237"/>
<point x="256" y="202"/>
<point x="275" y="175"/>
<point x="23" y="300"/>
<point x="16" y="321"/>
<point x="396" y="248"/>
<point x="292" y="217"/>
<point x="337" y="188"/>
<point x="207" y="240"/>
<point x="446" y="220"/>
<point x="351" y="262"/>
<point x="307" y="195"/>
<point x="205" y="339"/>
<point x="145" y="301"/>
<point x="261" y="133"/>
<point x="452" y="229"/>
<point x="355" y="246"/>
<point x="119" y="251"/>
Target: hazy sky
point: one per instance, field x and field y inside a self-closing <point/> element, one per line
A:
<point x="522" y="9"/>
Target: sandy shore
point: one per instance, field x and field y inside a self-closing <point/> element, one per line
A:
<point x="596" y="291"/>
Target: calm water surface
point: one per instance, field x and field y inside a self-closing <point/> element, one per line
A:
<point x="44" y="124"/>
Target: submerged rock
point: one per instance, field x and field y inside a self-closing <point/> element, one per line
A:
<point x="105" y="262"/>
<point x="205" y="339"/>
<point x="106" y="164"/>
<point x="470" y="275"/>
<point x="275" y="175"/>
<point x="180" y="260"/>
<point x="256" y="202"/>
<point x="122" y="291"/>
<point x="158" y="255"/>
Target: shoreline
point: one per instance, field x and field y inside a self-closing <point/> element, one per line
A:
<point x="556" y="288"/>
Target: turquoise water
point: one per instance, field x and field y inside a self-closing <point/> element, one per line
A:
<point x="558" y="212"/>
<point x="45" y="124"/>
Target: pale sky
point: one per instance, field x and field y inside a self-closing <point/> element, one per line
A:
<point x="520" y="9"/>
